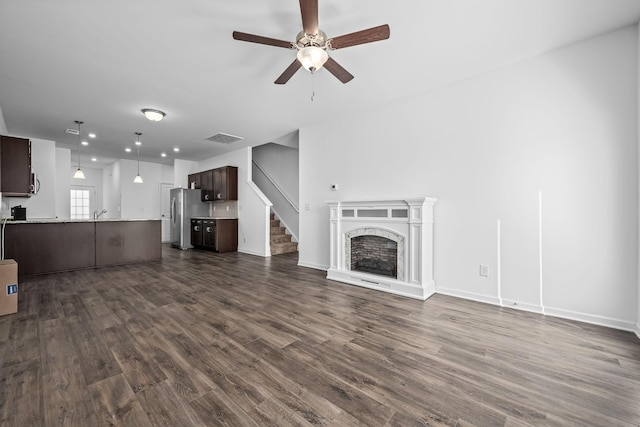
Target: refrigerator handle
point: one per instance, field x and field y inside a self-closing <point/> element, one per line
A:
<point x="172" y="213"/>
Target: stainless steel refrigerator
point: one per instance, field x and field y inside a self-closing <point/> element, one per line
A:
<point x="185" y="204"/>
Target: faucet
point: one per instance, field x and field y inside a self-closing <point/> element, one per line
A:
<point x="97" y="215"/>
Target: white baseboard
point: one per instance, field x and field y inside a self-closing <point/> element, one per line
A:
<point x="312" y="265"/>
<point x="549" y="311"/>
<point x="592" y="318"/>
<point x="245" y="251"/>
<point x="467" y="295"/>
<point x="518" y="305"/>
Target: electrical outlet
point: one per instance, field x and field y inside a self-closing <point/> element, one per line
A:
<point x="484" y="270"/>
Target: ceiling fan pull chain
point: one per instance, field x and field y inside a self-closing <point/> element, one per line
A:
<point x="313" y="90"/>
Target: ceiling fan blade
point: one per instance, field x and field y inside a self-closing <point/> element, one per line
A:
<point x="309" y="12"/>
<point x="361" y="37"/>
<point x="289" y="72"/>
<point x="245" y="37"/>
<point x="336" y="69"/>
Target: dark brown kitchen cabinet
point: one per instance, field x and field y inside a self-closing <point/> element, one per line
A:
<point x="216" y="184"/>
<point x="226" y="235"/>
<point x="196" y="232"/>
<point x="209" y="233"/>
<point x="195" y="181"/>
<point x="220" y="235"/>
<point x="225" y="183"/>
<point x="206" y="178"/>
<point x="16" y="179"/>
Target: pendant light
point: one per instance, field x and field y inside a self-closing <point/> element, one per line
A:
<point x="138" y="178"/>
<point x="79" y="174"/>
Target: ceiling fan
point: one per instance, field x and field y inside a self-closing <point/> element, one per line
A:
<point x="312" y="44"/>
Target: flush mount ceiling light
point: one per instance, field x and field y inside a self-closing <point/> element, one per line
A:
<point x="138" y="178"/>
<point x="153" y="115"/>
<point x="79" y="174"/>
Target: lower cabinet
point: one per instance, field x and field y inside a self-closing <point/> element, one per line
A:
<point x="196" y="232"/>
<point x="220" y="235"/>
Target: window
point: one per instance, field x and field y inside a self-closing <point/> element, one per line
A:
<point x="80" y="200"/>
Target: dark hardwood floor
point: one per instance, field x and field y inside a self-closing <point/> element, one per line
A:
<point x="231" y="339"/>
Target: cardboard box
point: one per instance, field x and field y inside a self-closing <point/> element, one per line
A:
<point x="8" y="287"/>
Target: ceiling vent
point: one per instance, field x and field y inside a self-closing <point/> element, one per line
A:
<point x="224" y="138"/>
<point x="72" y="131"/>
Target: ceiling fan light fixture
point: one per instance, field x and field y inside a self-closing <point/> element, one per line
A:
<point x="312" y="57"/>
<point x="153" y="115"/>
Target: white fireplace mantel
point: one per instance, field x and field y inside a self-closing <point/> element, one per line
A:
<point x="408" y="221"/>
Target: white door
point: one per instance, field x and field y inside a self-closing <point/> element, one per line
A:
<point x="165" y="210"/>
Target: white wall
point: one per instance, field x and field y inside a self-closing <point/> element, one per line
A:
<point x="111" y="190"/>
<point x="3" y="125"/>
<point x="140" y="200"/>
<point x="638" y="172"/>
<point x="63" y="182"/>
<point x="252" y="209"/>
<point x="181" y="170"/>
<point x="562" y="125"/>
<point x="279" y="164"/>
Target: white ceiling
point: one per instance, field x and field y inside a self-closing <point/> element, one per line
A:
<point x="103" y="61"/>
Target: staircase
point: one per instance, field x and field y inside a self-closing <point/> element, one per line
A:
<point x="280" y="241"/>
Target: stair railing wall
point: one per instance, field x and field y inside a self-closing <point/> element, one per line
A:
<point x="284" y="207"/>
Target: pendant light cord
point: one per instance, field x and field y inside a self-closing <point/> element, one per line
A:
<point x="78" y="122"/>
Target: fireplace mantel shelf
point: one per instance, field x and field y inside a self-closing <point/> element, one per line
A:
<point x="408" y="222"/>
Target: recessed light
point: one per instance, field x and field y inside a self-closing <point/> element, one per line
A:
<point x="93" y="159"/>
<point x="85" y="143"/>
<point x="176" y="149"/>
<point x="92" y="135"/>
<point x="138" y="143"/>
<point x="128" y="150"/>
<point x="163" y="154"/>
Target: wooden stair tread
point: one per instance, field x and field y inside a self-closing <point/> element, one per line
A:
<point x="279" y="239"/>
<point x="283" y="248"/>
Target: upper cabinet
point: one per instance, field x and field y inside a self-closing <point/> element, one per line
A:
<point x="195" y="181"/>
<point x="225" y="183"/>
<point x="206" y="178"/>
<point x="216" y="184"/>
<point x="16" y="179"/>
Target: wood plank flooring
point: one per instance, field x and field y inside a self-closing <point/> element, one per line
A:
<point x="205" y="339"/>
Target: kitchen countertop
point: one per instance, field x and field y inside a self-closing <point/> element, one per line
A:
<point x="62" y="221"/>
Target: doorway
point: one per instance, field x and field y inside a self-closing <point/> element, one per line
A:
<point x="165" y="210"/>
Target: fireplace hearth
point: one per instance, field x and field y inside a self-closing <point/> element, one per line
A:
<point x="385" y="245"/>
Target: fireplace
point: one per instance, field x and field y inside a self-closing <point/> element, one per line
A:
<point x="375" y="255"/>
<point x="385" y="245"/>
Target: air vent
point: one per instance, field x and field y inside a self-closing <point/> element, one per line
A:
<point x="72" y="131"/>
<point x="224" y="138"/>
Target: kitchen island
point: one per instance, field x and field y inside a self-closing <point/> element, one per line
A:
<point x="47" y="246"/>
